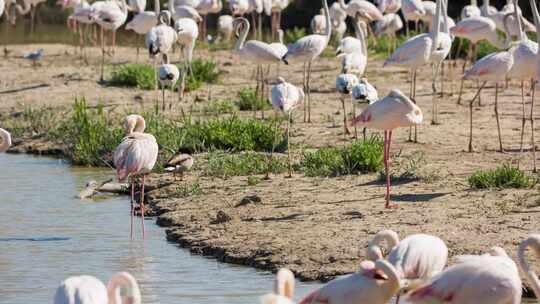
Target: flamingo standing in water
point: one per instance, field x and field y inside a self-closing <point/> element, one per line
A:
<point x="376" y="283"/>
<point x="285" y="98"/>
<point x="492" y="279"/>
<point x="308" y="49"/>
<point x="393" y="111"/>
<point x="283" y="289"/>
<point x="135" y="156"/>
<point x="87" y="289"/>
<point x="533" y="242"/>
<point x="6" y="140"/>
<point x="418" y="256"/>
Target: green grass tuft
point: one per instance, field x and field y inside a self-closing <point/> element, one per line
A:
<point x="249" y="101"/>
<point x="292" y="35"/>
<point x="504" y="176"/>
<point x="359" y="157"/>
<point x="225" y="165"/>
<point x="139" y="76"/>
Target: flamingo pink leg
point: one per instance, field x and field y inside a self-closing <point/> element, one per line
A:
<point x="387" y="141"/>
<point x="132" y="205"/>
<point x="142" y="206"/>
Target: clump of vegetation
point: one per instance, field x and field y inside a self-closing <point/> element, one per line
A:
<point x="293" y="35"/>
<point x="359" y="157"/>
<point x="249" y="101"/>
<point x="504" y="176"/>
<point x="188" y="189"/>
<point x="461" y="46"/>
<point x="406" y="167"/>
<point x="140" y="76"/>
<point x="31" y="121"/>
<point x="225" y="165"/>
<point x="204" y="71"/>
<point x="219" y="107"/>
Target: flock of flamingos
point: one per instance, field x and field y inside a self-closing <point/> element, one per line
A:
<point x="415" y="266"/>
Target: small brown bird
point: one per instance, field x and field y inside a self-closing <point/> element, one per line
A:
<point x="179" y="163"/>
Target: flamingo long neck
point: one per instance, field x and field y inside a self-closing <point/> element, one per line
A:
<point x="328" y="30"/>
<point x="171" y="7"/>
<point x="534" y="242"/>
<point x="280" y="36"/>
<point x="125" y="280"/>
<point x="6" y="140"/>
<point x="444" y="8"/>
<point x="474" y="3"/>
<point x="374" y="246"/>
<point x="391" y="272"/>
<point x="25" y="10"/>
<point x="536" y="16"/>
<point x="141" y="124"/>
<point x="284" y="284"/>
<point x="517" y="15"/>
<point x="243" y="35"/>
<point x="436" y="27"/>
<point x="343" y="5"/>
<point x="157" y="7"/>
<point x="361" y="35"/>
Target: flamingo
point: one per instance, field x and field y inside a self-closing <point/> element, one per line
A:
<point x="318" y="23"/>
<point x="183" y="11"/>
<point x="524" y="68"/>
<point x="143" y="22"/>
<point x="376" y="283"/>
<point x="285" y="98"/>
<point x="135" y="156"/>
<point x="255" y="51"/>
<point x="533" y="242"/>
<point x="206" y="7"/>
<point x="349" y="45"/>
<point x="307" y="49"/>
<point x="81" y="14"/>
<point x="390" y="24"/>
<point x="492" y="67"/>
<point x="337" y="14"/>
<point x="277" y="6"/>
<point x="366" y="9"/>
<point x="363" y="94"/>
<point x="492" y="278"/>
<point x="393" y="111"/>
<point x="412" y="10"/>
<point x="168" y="76"/>
<point x="418" y="51"/>
<point x="225" y="27"/>
<point x="179" y="163"/>
<point x="487" y="9"/>
<point x="471" y="10"/>
<point x="5" y="142"/>
<point x="418" y="256"/>
<point x="87" y="289"/>
<point x="389" y="6"/>
<point x="2" y="7"/>
<point x="280" y="45"/>
<point x="187" y="32"/>
<point x="160" y="39"/>
<point x="109" y="15"/>
<point x="30" y="6"/>
<point x="430" y="9"/>
<point x="238" y="7"/>
<point x="344" y="85"/>
<point x="137" y="6"/>
<point x="283" y="289"/>
<point x="356" y="61"/>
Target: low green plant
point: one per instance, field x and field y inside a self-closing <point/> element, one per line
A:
<point x="31" y="121"/>
<point x="253" y="180"/>
<point x="219" y="107"/>
<point x="249" y="101"/>
<point x="292" y="35"/>
<point x="204" y="71"/>
<point x="359" y="157"/>
<point x="140" y="76"/>
<point x="225" y="165"/>
<point x="505" y="176"/>
<point x="188" y="189"/>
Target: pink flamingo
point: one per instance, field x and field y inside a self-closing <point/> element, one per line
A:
<point x="533" y="241"/>
<point x="283" y="289"/>
<point x="418" y="256"/>
<point x="87" y="289"/>
<point x="5" y="142"/>
<point x="135" y="156"/>
<point x="490" y="279"/>
<point x="376" y="283"/>
<point x="393" y="111"/>
<point x="493" y="67"/>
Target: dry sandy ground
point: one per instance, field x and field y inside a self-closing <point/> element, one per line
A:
<point x="319" y="227"/>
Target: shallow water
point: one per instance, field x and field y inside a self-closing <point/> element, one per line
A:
<point x="46" y="235"/>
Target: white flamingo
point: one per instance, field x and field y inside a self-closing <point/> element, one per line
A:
<point x="109" y="15"/>
<point x="389" y="6"/>
<point x="487" y="9"/>
<point x="137" y="6"/>
<point x="143" y="22"/>
<point x="206" y="7"/>
<point x="389" y="25"/>
<point x="277" y="6"/>
<point x="367" y="10"/>
<point x="30" y="6"/>
<point x="187" y="32"/>
<point x="283" y="289"/>
<point x="349" y="45"/>
<point x="416" y="257"/>
<point x="533" y="242"/>
<point x="225" y="27"/>
<point x="161" y="38"/>
<point x="183" y="11"/>
<point x="416" y="52"/>
<point x="168" y="75"/>
<point x="135" y="156"/>
<point x="375" y="283"/>
<point x="471" y="10"/>
<point x="318" y="23"/>
<point x="389" y="113"/>
<point x="82" y="12"/>
<point x="87" y="289"/>
<point x="412" y="10"/>
<point x="5" y="142"/>
<point x="344" y="85"/>
<point x="307" y="49"/>
<point x="286" y="97"/>
<point x="337" y="14"/>
<point x="238" y="8"/>
<point x="476" y="279"/>
<point x="363" y="95"/>
<point x="430" y="9"/>
<point x="356" y="62"/>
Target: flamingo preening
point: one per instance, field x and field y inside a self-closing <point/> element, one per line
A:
<point x="5" y="142"/>
<point x="87" y="289"/>
<point x="135" y="156"/>
<point x="363" y="94"/>
<point x="492" y="278"/>
<point x="283" y="289"/>
<point x="307" y="49"/>
<point x="393" y="111"/>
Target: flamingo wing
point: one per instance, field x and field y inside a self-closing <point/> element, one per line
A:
<point x="307" y="47"/>
<point x="261" y="51"/>
<point x="413" y="52"/>
<point x="81" y="289"/>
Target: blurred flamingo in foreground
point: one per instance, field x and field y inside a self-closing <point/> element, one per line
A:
<point x="87" y="289"/>
<point x="376" y="283"/>
<point x="533" y="242"/>
<point x="135" y="156"/>
<point x="491" y="278"/>
<point x="6" y="140"/>
<point x="283" y="289"/>
<point x="393" y="111"/>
